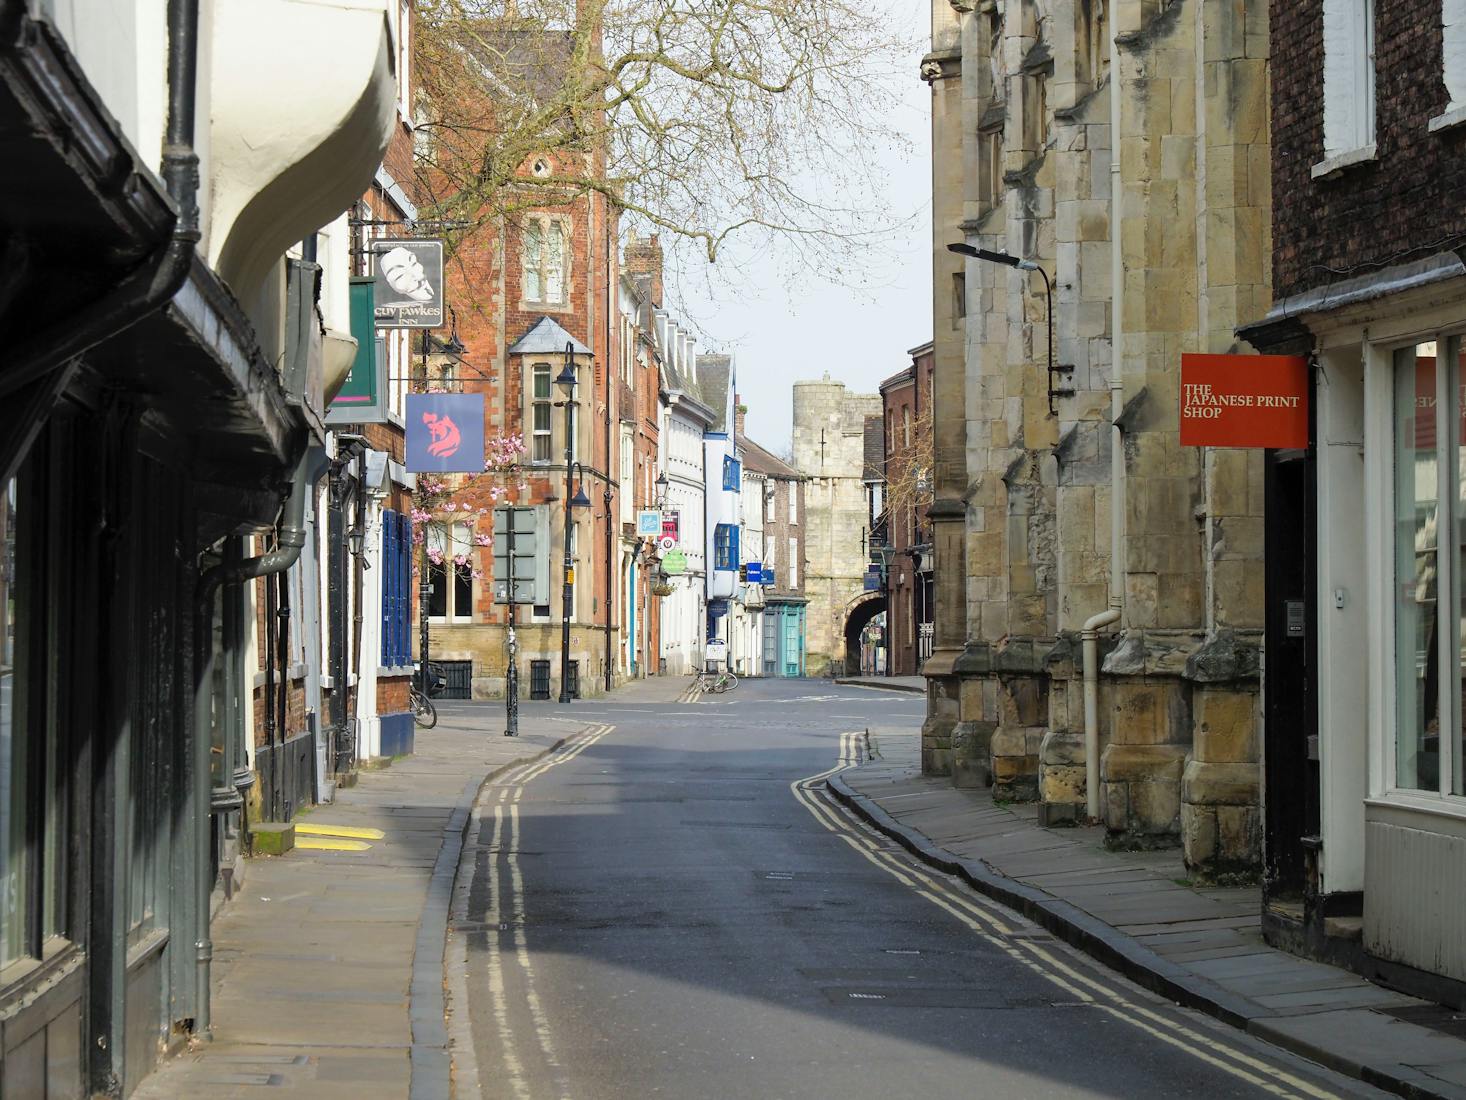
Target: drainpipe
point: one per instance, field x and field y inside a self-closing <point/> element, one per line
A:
<point x="1089" y="633"/>
<point x="291" y="538"/>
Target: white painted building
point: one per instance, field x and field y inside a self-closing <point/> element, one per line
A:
<point x="685" y="419"/>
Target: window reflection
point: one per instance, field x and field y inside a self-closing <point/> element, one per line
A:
<point x="1417" y="644"/>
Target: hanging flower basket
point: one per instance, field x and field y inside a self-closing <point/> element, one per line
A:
<point x="662" y="588"/>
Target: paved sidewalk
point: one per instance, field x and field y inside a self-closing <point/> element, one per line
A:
<point x="328" y="965"/>
<point x="1132" y="910"/>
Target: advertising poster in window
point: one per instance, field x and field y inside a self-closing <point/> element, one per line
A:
<point x="408" y="279"/>
<point x="445" y="433"/>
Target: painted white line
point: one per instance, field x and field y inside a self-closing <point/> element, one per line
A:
<point x="981" y="917"/>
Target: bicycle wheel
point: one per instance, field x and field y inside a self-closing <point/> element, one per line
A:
<point x="730" y="682"/>
<point x="423" y="711"/>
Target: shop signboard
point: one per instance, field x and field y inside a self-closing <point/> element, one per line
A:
<point x="409" y="283"/>
<point x="1244" y="401"/>
<point x="362" y="398"/>
<point x="649" y="524"/>
<point x="445" y="433"/>
<point x="674" y="563"/>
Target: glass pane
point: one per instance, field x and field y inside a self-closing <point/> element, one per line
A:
<point x="555" y="263"/>
<point x="12" y="747"/>
<point x="532" y="249"/>
<point x="542" y="448"/>
<point x="541" y="417"/>
<point x="542" y="385"/>
<point x="1417" y="649"/>
<point x="462" y="590"/>
<point x="1458" y="420"/>
<point x="438" y="598"/>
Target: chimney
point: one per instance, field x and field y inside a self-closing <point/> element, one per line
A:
<point x="644" y="257"/>
<point x="738" y="411"/>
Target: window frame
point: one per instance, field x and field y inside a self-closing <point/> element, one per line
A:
<point x="536" y="402"/>
<point x="1350" y="95"/>
<point x="542" y="225"/>
<point x="1450" y="482"/>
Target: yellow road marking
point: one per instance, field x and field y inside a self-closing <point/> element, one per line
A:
<point x="358" y="831"/>
<point x="330" y="844"/>
<point x="980" y="915"/>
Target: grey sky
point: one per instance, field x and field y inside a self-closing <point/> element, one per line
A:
<point x="798" y="325"/>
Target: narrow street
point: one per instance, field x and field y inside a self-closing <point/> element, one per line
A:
<point x="672" y="906"/>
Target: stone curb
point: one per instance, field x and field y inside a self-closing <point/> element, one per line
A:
<point x="881" y="687"/>
<point x="1135" y="961"/>
<point x="431" y="1061"/>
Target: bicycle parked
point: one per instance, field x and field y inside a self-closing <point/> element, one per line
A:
<point x="716" y="682"/>
<point x="424" y="713"/>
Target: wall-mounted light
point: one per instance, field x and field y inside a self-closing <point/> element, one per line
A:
<point x="1006" y="260"/>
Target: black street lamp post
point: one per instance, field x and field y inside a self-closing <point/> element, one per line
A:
<point x="1026" y="265"/>
<point x="566" y="379"/>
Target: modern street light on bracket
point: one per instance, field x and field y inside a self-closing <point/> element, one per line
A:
<point x="1006" y="260"/>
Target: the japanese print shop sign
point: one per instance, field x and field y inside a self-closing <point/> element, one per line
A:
<point x="409" y="283"/>
<point x="1244" y="401"/>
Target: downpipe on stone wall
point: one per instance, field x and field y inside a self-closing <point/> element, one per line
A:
<point x="1089" y="633"/>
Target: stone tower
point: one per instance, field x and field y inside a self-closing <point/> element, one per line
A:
<point x="829" y="425"/>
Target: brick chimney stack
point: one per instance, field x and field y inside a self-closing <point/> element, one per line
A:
<point x="737" y="416"/>
<point x="644" y="257"/>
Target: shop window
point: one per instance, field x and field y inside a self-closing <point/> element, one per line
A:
<point x="34" y="591"/>
<point x="1429" y="562"/>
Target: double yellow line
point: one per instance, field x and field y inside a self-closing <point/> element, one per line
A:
<point x="506" y="910"/>
<point x="996" y="925"/>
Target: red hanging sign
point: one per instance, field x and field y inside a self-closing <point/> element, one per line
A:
<point x="1244" y="401"/>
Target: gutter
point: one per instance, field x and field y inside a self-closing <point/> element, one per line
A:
<point x="48" y="358"/>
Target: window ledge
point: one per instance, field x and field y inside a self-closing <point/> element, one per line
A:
<point x="1422" y="802"/>
<point x="1330" y="167"/>
<point x="1452" y="116"/>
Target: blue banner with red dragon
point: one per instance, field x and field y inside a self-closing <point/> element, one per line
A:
<point x="445" y="433"/>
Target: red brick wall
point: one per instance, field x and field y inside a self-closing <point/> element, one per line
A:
<point x="1404" y="204"/>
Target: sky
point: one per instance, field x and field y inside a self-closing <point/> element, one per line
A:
<point x="782" y="329"/>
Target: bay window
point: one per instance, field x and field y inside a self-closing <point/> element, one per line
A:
<point x="540" y="406"/>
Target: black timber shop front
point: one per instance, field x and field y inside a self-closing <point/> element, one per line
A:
<point x="141" y="435"/>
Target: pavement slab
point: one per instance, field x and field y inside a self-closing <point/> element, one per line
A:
<point x="314" y="956"/>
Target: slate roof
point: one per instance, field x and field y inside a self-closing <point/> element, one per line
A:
<point x="546" y="337"/>
<point x="875" y="449"/>
<point x="713" y="373"/>
<point x="761" y="461"/>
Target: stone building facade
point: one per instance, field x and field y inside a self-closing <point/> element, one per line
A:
<point x="1121" y="148"/>
<point x="829" y="450"/>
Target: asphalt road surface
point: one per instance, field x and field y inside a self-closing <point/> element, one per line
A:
<point x="670" y="906"/>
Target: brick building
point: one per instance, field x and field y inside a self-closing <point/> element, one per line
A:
<point x="1365" y="796"/>
<point x="1117" y="148"/>
<point x="906" y="398"/>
